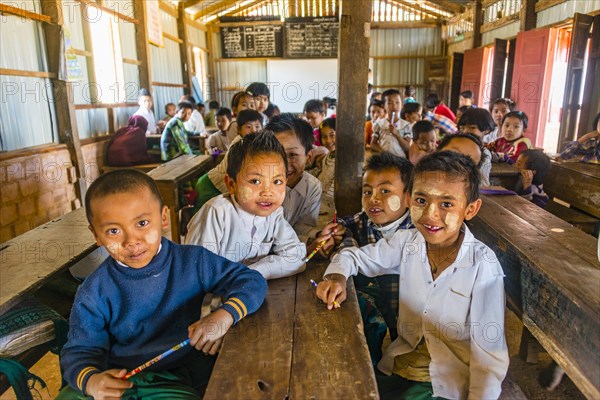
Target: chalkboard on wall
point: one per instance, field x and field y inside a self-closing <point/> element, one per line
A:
<point x="313" y="37"/>
<point x="251" y="41"/>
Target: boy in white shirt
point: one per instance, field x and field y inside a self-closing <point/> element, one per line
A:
<point x="247" y="225"/>
<point x="451" y="340"/>
<point x="195" y="125"/>
<point x="393" y="134"/>
<point x="145" y="110"/>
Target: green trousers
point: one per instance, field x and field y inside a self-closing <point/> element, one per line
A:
<point x="182" y="383"/>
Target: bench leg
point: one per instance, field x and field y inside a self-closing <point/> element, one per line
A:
<point x="174" y="225"/>
<point x="529" y="348"/>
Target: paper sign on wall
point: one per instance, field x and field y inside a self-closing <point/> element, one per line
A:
<point x="154" y="23"/>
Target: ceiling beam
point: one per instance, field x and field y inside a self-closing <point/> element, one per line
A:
<point x="236" y="11"/>
<point x="214" y="8"/>
<point x="416" y="8"/>
<point x="189" y="3"/>
<point x="449" y="6"/>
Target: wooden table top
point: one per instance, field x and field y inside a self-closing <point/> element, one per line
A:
<point x="293" y="347"/>
<point x="180" y="169"/>
<point x="504" y="169"/>
<point x="591" y="170"/>
<point x="27" y="261"/>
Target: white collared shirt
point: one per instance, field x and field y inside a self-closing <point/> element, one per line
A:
<point x="387" y="140"/>
<point x="460" y="314"/>
<point x="195" y="125"/>
<point x="266" y="244"/>
<point x="301" y="205"/>
<point x="149" y="117"/>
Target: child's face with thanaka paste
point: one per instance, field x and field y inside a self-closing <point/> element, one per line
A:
<point x="259" y="187"/>
<point x="438" y="207"/>
<point x="129" y="225"/>
<point x="384" y="199"/>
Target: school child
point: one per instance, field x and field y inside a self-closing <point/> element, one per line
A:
<point x="435" y="104"/>
<point x="212" y="183"/>
<point x="391" y="134"/>
<point x="376" y="111"/>
<point x="315" y="112"/>
<point x="240" y="101"/>
<point x="451" y="290"/>
<point x="466" y="144"/>
<point x="424" y="141"/>
<point x="325" y="165"/>
<point x="512" y="143"/>
<point x="145" y="298"/>
<point x="261" y="94"/>
<point x="533" y="165"/>
<point x="195" y="124"/>
<point x="460" y="111"/>
<point x="499" y="108"/>
<point x="331" y="106"/>
<point x="412" y="112"/>
<point x="145" y="110"/>
<point x="385" y="201"/>
<point x="218" y="142"/>
<point x="409" y="94"/>
<point x="210" y="119"/>
<point x="585" y="149"/>
<point x="173" y="141"/>
<point x="479" y="122"/>
<point x="466" y="98"/>
<point x="443" y="124"/>
<point x="128" y="145"/>
<point x="170" y="110"/>
<point x="247" y="225"/>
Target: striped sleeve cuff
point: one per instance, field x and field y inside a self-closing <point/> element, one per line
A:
<point x="236" y="308"/>
<point x="83" y="377"/>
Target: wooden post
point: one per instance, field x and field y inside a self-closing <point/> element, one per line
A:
<point x="63" y="92"/>
<point x="527" y="15"/>
<point x="477" y="22"/>
<point x="184" y="49"/>
<point x="354" y="43"/>
<point x="141" y="44"/>
<point x="210" y="59"/>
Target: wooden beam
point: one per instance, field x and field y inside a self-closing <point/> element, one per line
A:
<point x="195" y="24"/>
<point x="90" y="3"/>
<point x="509" y="19"/>
<point x="424" y="23"/>
<point x="130" y="61"/>
<point x="211" y="75"/>
<point x="103" y="105"/>
<point x="528" y="15"/>
<point x="477" y="22"/>
<point x="214" y="8"/>
<point x="168" y="8"/>
<point x="166" y="84"/>
<point x="184" y="50"/>
<point x="190" y="3"/>
<point x="91" y="71"/>
<point x="171" y="37"/>
<point x="237" y="10"/>
<point x="354" y="43"/>
<point x="545" y="4"/>
<point x="82" y="53"/>
<point x="19" y="72"/>
<point x="416" y="7"/>
<point x="448" y="6"/>
<point x="142" y="46"/>
<point x="19" y="12"/>
<point x="63" y="93"/>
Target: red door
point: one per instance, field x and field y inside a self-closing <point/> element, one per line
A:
<point x="532" y="73"/>
<point x="475" y="73"/>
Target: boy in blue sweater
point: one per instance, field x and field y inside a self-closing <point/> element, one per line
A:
<point x="146" y="298"/>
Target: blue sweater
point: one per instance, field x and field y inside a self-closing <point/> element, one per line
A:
<point x="123" y="317"/>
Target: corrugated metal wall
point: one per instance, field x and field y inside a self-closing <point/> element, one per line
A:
<point x="506" y="31"/>
<point x="565" y="10"/>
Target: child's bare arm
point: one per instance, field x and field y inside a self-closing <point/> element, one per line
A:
<point x="333" y="290"/>
<point x="206" y="333"/>
<point x="108" y="384"/>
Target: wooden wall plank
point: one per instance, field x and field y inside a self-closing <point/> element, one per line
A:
<point x="19" y="12"/>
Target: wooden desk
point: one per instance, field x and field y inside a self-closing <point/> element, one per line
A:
<point x="552" y="280"/>
<point x="170" y="175"/>
<point x="29" y="260"/>
<point x="576" y="183"/>
<point x="294" y="348"/>
<point x="503" y="174"/>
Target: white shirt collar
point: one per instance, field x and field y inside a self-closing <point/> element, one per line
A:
<point x="387" y="231"/>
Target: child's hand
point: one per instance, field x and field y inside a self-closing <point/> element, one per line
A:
<point x="108" y="384"/>
<point x="332" y="290"/>
<point x="205" y="334"/>
<point x="327" y="247"/>
<point x="335" y="229"/>
<point x="527" y="177"/>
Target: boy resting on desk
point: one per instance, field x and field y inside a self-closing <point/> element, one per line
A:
<point x="247" y="225"/>
<point x="451" y="341"/>
<point x="145" y="298"/>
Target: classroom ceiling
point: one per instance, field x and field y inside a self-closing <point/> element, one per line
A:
<point x="208" y="11"/>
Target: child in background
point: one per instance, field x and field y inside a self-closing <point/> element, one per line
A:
<point x="145" y="298"/>
<point x="512" y="143"/>
<point x="210" y="119"/>
<point x="376" y="111"/>
<point x="444" y="125"/>
<point x="315" y="112"/>
<point x="424" y="141"/>
<point x="385" y="201"/>
<point x="409" y="94"/>
<point x="325" y="165"/>
<point x="247" y="225"/>
<point x="145" y="110"/>
<point x="499" y="108"/>
<point x="195" y="124"/>
<point x="128" y="145"/>
<point x="466" y="98"/>
<point x="170" y="111"/>
<point x="451" y="290"/>
<point x="461" y="110"/>
<point x="218" y="142"/>
<point x="173" y="141"/>
<point x="533" y="165"/>
<point x="435" y="104"/>
<point x="240" y="101"/>
<point x="261" y="94"/>
<point x="466" y="144"/>
<point x="412" y="112"/>
<point x="479" y="122"/>
<point x="392" y="134"/>
<point x="585" y="149"/>
<point x="212" y="183"/>
<point x="331" y="106"/>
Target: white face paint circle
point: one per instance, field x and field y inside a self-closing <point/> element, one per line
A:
<point x="394" y="202"/>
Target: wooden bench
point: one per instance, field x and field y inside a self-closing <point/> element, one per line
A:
<point x="552" y="280"/>
<point x="294" y="348"/>
<point x="170" y="175"/>
<point x="505" y="175"/>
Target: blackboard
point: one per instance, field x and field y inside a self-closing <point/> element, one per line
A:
<point x="314" y="37"/>
<point x="252" y="41"/>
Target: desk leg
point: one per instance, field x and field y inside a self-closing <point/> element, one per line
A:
<point x="174" y="220"/>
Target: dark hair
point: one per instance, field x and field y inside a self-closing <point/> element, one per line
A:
<point x="235" y="100"/>
<point x="455" y="166"/>
<point x="409" y="91"/>
<point x="377" y="103"/>
<point x="190" y="99"/>
<point x="421" y="127"/>
<point x="185" y="105"/>
<point x="299" y="127"/>
<point x="374" y="96"/>
<point x="479" y="117"/>
<point x="119" y="181"/>
<point x="246" y="116"/>
<point x="330" y="101"/>
<point x="369" y="88"/>
<point x="517" y="114"/>
<point x="389" y="92"/>
<point x="432" y="101"/>
<point x="385" y="160"/>
<point x="539" y="162"/>
<point x="253" y="144"/>
<point x="213" y="104"/>
<point x="462" y="109"/>
<point x="409" y="108"/>
<point x="328" y="123"/>
<point x="258" y="89"/>
<point x="504" y="100"/>
<point x="467" y="94"/>
<point x="169" y="105"/>
<point x="143" y="92"/>
<point x="448" y="138"/>
<point x="316" y="106"/>
<point x="224" y="112"/>
<point x="270" y="110"/>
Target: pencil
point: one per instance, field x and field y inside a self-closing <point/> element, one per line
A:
<point x="319" y="246"/>
<point x="335" y="303"/>
<point x="157" y="359"/>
